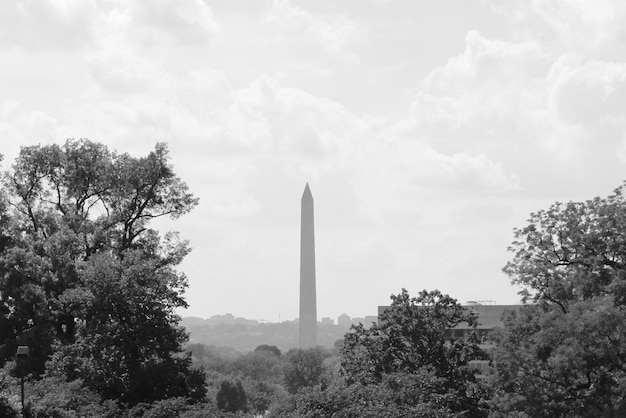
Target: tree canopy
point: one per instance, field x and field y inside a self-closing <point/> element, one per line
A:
<point x="565" y="354"/>
<point x="303" y="368"/>
<point x="409" y="342"/>
<point x="84" y="278"/>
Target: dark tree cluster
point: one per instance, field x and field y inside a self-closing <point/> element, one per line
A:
<point x="85" y="281"/>
<point x="231" y="397"/>
<point x="564" y="354"/>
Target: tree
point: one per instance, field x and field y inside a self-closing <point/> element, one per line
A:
<point x="410" y="340"/>
<point x="303" y="367"/>
<point x="9" y="402"/>
<point x="565" y="354"/>
<point x="55" y="397"/>
<point x="397" y="395"/>
<point x="84" y="276"/>
<point x="260" y="365"/>
<point x="269" y="348"/>
<point x="231" y="397"/>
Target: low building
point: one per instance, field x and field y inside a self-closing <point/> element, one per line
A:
<point x="327" y="321"/>
<point x="489" y="317"/>
<point x="344" y="321"/>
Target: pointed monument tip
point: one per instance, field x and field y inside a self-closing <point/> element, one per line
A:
<point x="307" y="190"/>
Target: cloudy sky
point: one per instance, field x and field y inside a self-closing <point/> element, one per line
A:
<point x="427" y="130"/>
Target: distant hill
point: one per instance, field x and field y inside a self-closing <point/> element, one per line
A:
<point x="245" y="334"/>
<point x="218" y="320"/>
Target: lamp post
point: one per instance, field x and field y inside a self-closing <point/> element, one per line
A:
<point x="21" y="354"/>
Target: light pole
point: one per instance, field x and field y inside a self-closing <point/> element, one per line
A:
<point x="21" y="354"/>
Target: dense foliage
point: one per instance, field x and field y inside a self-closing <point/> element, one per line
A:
<point x="402" y="366"/>
<point x="565" y="355"/>
<point x="231" y="397"/>
<point x="85" y="282"/>
<point x="303" y="368"/>
<point x="409" y="344"/>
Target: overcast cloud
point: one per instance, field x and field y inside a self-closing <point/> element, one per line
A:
<point x="426" y="130"/>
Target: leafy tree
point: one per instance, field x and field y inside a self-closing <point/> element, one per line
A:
<point x="259" y="365"/>
<point x="397" y="395"/>
<point x="303" y="367"/>
<point x="84" y="276"/>
<point x="125" y="348"/>
<point x="231" y="397"/>
<point x="260" y="373"/>
<point x="179" y="408"/>
<point x="565" y="355"/>
<point x="7" y="410"/>
<point x="261" y="394"/>
<point x="9" y="399"/>
<point x="269" y="348"/>
<point x="409" y="341"/>
<point x="53" y="396"/>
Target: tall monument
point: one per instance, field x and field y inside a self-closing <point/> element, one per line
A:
<point x="307" y="336"/>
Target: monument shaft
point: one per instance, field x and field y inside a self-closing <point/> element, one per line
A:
<point x="307" y="336"/>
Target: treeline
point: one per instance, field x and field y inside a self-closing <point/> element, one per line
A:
<point x="245" y="337"/>
<point x="91" y="289"/>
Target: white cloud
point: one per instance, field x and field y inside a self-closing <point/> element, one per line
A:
<point x="123" y="72"/>
<point x="480" y="104"/>
<point x="462" y="172"/>
<point x="21" y="126"/>
<point x="595" y="28"/>
<point x="158" y="22"/>
<point x="554" y="109"/>
<point x="487" y="62"/>
<point x="46" y="24"/>
<point x="333" y="31"/>
<point x="490" y="86"/>
<point x="289" y="121"/>
<point x="588" y="91"/>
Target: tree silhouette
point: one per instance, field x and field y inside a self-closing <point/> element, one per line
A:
<point x="85" y="278"/>
<point x="231" y="397"/>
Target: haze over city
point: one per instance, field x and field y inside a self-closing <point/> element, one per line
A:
<point x="427" y="131"/>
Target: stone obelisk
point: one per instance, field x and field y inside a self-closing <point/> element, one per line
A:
<point x="307" y="336"/>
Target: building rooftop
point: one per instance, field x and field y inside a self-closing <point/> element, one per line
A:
<point x="489" y="316"/>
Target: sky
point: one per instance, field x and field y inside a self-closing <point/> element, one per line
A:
<point x="427" y="130"/>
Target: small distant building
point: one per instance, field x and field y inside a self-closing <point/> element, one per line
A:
<point x="367" y="321"/>
<point x="489" y="317"/>
<point x="358" y="320"/>
<point x="327" y="321"/>
<point x="344" y="321"/>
